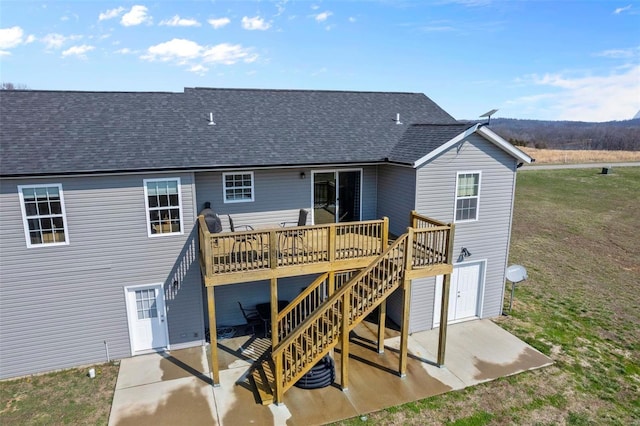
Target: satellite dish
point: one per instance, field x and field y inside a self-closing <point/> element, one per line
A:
<point x="516" y="273"/>
<point x="488" y="114"/>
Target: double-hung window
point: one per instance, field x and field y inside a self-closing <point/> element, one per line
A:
<point x="467" y="196"/>
<point x="164" y="206"/>
<point x="43" y="214"/>
<point x="238" y="187"/>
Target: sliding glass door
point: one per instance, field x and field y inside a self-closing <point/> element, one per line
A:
<point x="336" y="196"/>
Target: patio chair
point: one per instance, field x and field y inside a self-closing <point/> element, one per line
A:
<point x="296" y="234"/>
<point x="241" y="239"/>
<point x="252" y="318"/>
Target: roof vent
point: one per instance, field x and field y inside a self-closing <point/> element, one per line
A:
<point x="398" y="119"/>
<point x="211" y="122"/>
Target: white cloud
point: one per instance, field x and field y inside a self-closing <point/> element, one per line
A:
<point x="586" y="98"/>
<point x="280" y="6"/>
<point x="110" y="14"/>
<point x="125" y="51"/>
<point x="321" y="17"/>
<point x="315" y="7"/>
<point x="177" y="50"/>
<point x="621" y="9"/>
<point x="621" y="53"/>
<point x="30" y="39"/>
<point x="55" y="41"/>
<point x="177" y="21"/>
<point x="136" y="16"/>
<point x="199" y="69"/>
<point x="193" y="55"/>
<point x="352" y="19"/>
<point x="218" y="22"/>
<point x="228" y="54"/>
<point x="255" y="23"/>
<point x="10" y="38"/>
<point x="79" y="51"/>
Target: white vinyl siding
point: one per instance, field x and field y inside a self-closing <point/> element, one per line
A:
<point x="467" y="203"/>
<point x="238" y="187"/>
<point x="43" y="215"/>
<point x="163" y="203"/>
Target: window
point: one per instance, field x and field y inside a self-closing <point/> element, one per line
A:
<point x="238" y="187"/>
<point x="164" y="206"/>
<point x="467" y="196"/>
<point x="43" y="215"/>
<point x="146" y="304"/>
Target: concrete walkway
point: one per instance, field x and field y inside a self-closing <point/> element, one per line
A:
<point x="175" y="388"/>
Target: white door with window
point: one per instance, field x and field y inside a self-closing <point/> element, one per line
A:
<point x="147" y="318"/>
<point x="464" y="294"/>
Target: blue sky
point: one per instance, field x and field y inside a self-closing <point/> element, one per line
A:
<point x="555" y="60"/>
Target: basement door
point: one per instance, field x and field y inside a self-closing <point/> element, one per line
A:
<point x="464" y="294"/>
<point x="146" y="314"/>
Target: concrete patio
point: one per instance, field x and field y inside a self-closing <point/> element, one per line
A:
<point x="175" y="387"/>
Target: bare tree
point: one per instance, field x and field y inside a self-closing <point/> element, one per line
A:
<point x="12" y="86"/>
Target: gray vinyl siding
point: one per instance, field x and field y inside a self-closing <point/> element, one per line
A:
<point x="279" y="195"/>
<point x="59" y="304"/>
<point x="249" y="294"/>
<point x="488" y="237"/>
<point x="396" y="196"/>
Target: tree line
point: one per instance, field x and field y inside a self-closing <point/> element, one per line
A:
<point x="611" y="135"/>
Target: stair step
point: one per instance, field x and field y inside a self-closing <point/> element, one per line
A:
<point x="263" y="379"/>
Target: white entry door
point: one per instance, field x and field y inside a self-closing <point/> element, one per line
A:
<point x="147" y="323"/>
<point x="466" y="282"/>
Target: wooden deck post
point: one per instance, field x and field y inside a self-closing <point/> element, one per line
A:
<point x="344" y="343"/>
<point x="274" y="312"/>
<point x="382" y="316"/>
<point x="444" y="306"/>
<point x="406" y="305"/>
<point x="213" y="337"/>
<point x="331" y="281"/>
<point x="382" y="309"/>
<point x="273" y="250"/>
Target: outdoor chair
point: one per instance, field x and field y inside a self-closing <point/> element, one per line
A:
<point x="252" y="318"/>
<point x="296" y="234"/>
<point x="239" y="240"/>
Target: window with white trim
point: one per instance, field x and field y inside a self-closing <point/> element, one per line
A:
<point x="164" y="206"/>
<point x="237" y="187"/>
<point x="43" y="214"/>
<point x="467" y="196"/>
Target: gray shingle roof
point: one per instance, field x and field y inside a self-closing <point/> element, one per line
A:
<point x="420" y="139"/>
<point x="57" y="132"/>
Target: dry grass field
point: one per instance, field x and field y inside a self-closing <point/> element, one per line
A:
<point x="561" y="156"/>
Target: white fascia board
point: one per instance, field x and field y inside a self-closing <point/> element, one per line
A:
<point x="491" y="136"/>
<point x="445" y="146"/>
<point x="484" y="132"/>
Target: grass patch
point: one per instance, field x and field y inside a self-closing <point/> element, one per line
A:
<point x="63" y="397"/>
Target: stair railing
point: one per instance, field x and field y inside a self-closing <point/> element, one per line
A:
<point x="298" y="352"/>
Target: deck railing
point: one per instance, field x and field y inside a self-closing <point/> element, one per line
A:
<point x="229" y="252"/>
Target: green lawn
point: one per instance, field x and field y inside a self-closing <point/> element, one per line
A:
<point x="577" y="232"/>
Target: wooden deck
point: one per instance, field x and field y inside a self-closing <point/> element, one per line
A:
<point x="358" y="270"/>
<point x="234" y="257"/>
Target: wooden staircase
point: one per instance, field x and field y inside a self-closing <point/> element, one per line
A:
<point x="306" y="335"/>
